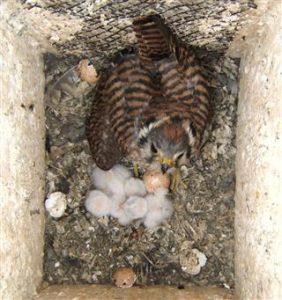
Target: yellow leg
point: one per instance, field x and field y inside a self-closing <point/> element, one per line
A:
<point x="176" y="181"/>
<point x="136" y="170"/>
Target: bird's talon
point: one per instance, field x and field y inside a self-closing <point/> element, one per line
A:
<point x="136" y="170"/>
<point x="176" y="182"/>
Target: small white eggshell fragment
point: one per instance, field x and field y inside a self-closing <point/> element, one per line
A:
<point x="56" y="204"/>
<point x="133" y="208"/>
<point x="135" y="187"/>
<point x="154" y="180"/>
<point x="192" y="261"/>
<point x="121" y="171"/>
<point x="159" y="209"/>
<point x="201" y="257"/>
<point x="98" y="203"/>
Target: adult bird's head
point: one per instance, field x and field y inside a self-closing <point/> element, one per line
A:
<point x="169" y="144"/>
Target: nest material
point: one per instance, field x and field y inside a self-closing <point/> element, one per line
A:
<point x="80" y="248"/>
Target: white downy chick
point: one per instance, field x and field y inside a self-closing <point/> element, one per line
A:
<point x="159" y="208"/>
<point x="135" y="187"/>
<point x="133" y="208"/>
<point x="121" y="171"/>
<point x="117" y="205"/>
<point x="98" y="203"/>
<point x="111" y="182"/>
<point x="116" y="186"/>
<point x="99" y="178"/>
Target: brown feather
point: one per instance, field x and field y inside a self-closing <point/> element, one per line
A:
<point x="163" y="80"/>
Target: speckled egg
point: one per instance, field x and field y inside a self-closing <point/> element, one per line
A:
<point x="124" y="277"/>
<point x="155" y="180"/>
<point x="87" y="72"/>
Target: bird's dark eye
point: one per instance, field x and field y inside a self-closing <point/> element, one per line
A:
<point x="193" y="129"/>
<point x="180" y="155"/>
<point x="153" y="148"/>
<point x="188" y="152"/>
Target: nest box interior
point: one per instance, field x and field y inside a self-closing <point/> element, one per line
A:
<point x="231" y="209"/>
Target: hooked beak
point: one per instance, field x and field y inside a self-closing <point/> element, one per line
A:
<point x="166" y="164"/>
<point x="164" y="168"/>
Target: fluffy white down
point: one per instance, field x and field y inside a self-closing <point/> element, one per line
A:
<point x="110" y="182"/>
<point x="121" y="171"/>
<point x="124" y="197"/>
<point x="56" y="204"/>
<point x="117" y="205"/>
<point x="135" y="187"/>
<point x="98" y="203"/>
<point x="115" y="185"/>
<point x="161" y="192"/>
<point x="99" y="178"/>
<point x="159" y="208"/>
<point x="133" y="208"/>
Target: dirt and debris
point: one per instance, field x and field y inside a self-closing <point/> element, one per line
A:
<point x="80" y="248"/>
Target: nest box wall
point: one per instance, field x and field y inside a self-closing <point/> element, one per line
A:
<point x="22" y="165"/>
<point x="258" y="225"/>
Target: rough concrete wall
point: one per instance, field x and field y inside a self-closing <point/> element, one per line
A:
<point x="21" y="164"/>
<point x="258" y="223"/>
